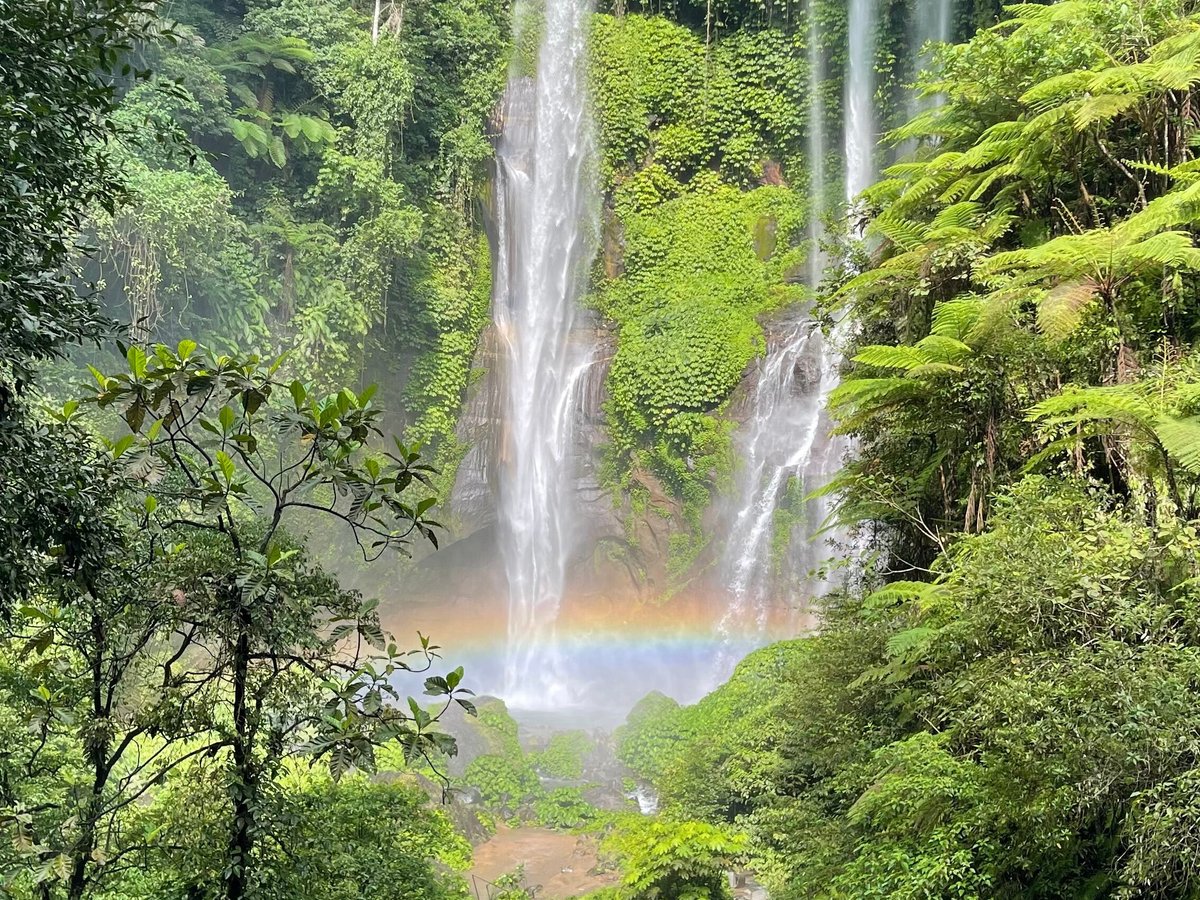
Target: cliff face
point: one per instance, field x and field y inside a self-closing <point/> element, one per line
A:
<point x="604" y="560"/>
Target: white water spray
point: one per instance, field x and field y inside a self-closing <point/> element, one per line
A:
<point x="932" y="23"/>
<point x="787" y="452"/>
<point x="547" y="218"/>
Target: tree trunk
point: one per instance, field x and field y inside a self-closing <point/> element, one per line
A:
<point x="241" y="832"/>
<point x="97" y="749"/>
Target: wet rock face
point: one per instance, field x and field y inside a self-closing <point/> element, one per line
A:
<point x="472" y="500"/>
<point x="601" y="562"/>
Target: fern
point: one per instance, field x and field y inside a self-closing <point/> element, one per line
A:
<point x="957" y="318"/>
<point x="1060" y="312"/>
<point x="1180" y="439"/>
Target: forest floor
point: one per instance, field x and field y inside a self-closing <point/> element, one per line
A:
<point x="559" y="862"/>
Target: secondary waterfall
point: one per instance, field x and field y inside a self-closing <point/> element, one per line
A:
<point x="785" y="447"/>
<point x="786" y="452"/>
<point x="860" y="119"/>
<point x="546" y="211"/>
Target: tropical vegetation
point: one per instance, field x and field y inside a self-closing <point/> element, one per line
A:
<point x="223" y="222"/>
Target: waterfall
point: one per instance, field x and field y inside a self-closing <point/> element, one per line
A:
<point x="785" y="447"/>
<point x="816" y="144"/>
<point x="932" y="22"/>
<point x="786" y="452"/>
<point x="547" y="222"/>
<point x="860" y="119"/>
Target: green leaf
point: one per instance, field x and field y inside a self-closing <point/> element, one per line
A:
<point x="227" y="466"/>
<point x="121" y="447"/>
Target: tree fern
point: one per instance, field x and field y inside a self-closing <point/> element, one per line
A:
<point x="1180" y="438"/>
<point x="1062" y="309"/>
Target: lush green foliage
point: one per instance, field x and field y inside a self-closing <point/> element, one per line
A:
<point x="1007" y="714"/>
<point x="202" y="630"/>
<point x="60" y="65"/>
<point x="691" y="260"/>
<point x="328" y="839"/>
<point x="662" y="859"/>
<point x="320" y="196"/>
<point x="563" y="755"/>
<point x="1037" y="240"/>
<point x="513" y="784"/>
<point x="1008" y="710"/>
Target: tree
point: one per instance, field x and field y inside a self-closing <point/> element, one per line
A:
<point x="226" y="456"/>
<point x="60" y="65"/>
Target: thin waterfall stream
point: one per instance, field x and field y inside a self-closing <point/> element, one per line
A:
<point x="817" y="178"/>
<point x="786" y="451"/>
<point x="860" y="137"/>
<point x="776" y="542"/>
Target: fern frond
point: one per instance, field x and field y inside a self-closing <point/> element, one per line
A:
<point x="934" y="369"/>
<point x="898" y="592"/>
<point x="904" y="233"/>
<point x="1170" y="249"/>
<point x="872" y="392"/>
<point x="943" y="348"/>
<point x="883" y="356"/>
<point x="1180" y="438"/>
<point x="955" y="318"/>
<point x="1103" y="109"/>
<point x="1124" y="404"/>
<point x="1060" y="313"/>
<point x="910" y="641"/>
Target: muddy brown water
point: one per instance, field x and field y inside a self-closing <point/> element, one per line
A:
<point x="556" y="861"/>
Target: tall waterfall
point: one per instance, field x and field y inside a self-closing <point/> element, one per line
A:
<point x="860" y="118"/>
<point x="547" y="221"/>
<point x="932" y="22"/>
<point x="817" y="180"/>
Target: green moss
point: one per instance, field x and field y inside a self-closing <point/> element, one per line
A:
<point x="702" y="263"/>
<point x="457" y="297"/>
<point x="790" y="514"/>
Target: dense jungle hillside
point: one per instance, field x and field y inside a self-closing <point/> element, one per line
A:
<point x="260" y="364"/>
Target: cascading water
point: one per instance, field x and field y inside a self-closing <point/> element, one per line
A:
<point x="860" y="119"/>
<point x="547" y="221"/>
<point x="786" y="452"/>
<point x="932" y="23"/>
<point x="817" y="181"/>
<point x="785" y="447"/>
